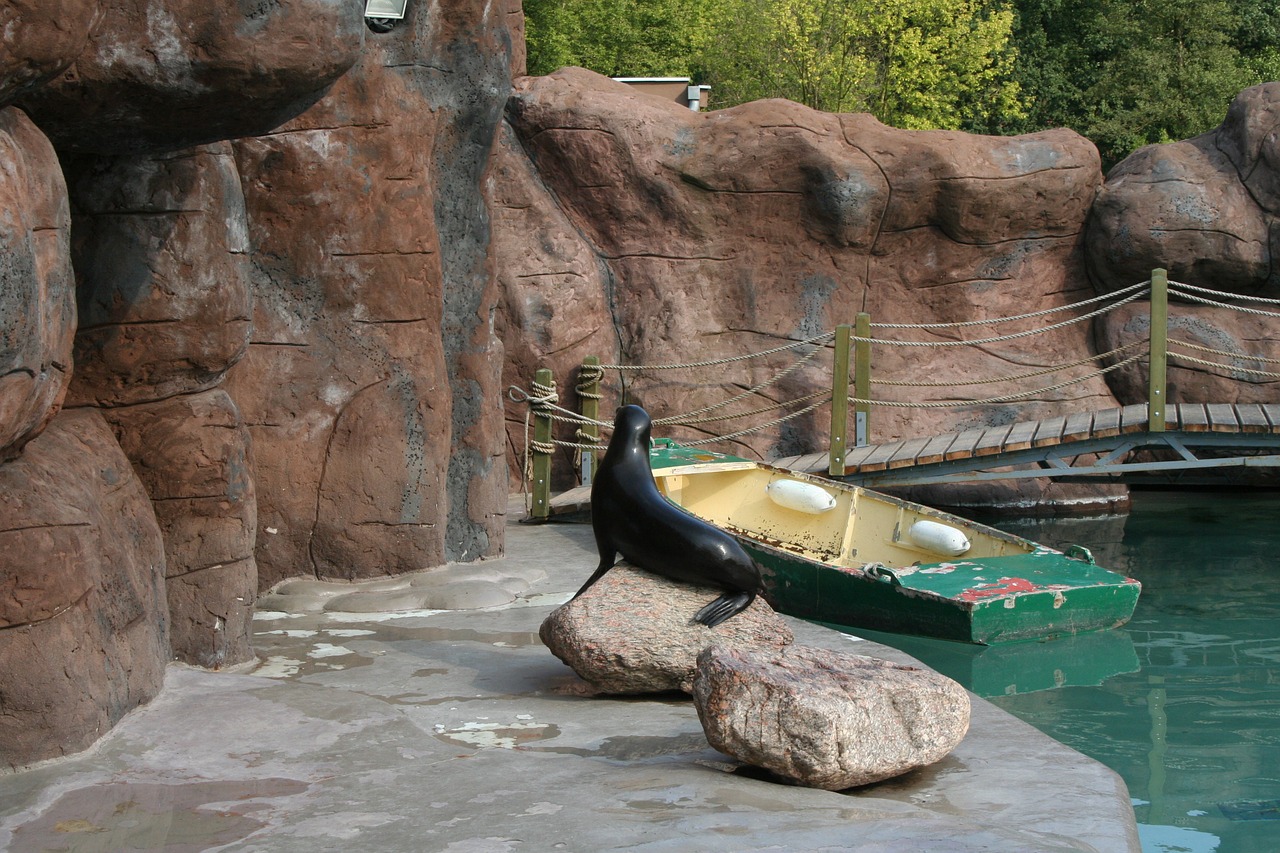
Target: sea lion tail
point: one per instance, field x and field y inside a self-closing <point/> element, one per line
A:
<point x="728" y="605"/>
<point x="606" y="563"/>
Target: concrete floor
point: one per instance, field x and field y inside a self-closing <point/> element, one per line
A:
<point x="458" y="731"/>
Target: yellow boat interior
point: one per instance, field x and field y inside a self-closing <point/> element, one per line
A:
<point x="827" y="521"/>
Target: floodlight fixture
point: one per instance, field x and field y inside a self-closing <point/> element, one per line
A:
<point x="381" y="15"/>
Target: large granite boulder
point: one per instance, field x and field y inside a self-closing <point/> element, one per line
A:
<point x="633" y="632"/>
<point x="371" y="384"/>
<point x="1207" y="210"/>
<point x="684" y="237"/>
<point x="158" y="76"/>
<point x="83" y="627"/>
<point x="827" y="719"/>
<point x="37" y="290"/>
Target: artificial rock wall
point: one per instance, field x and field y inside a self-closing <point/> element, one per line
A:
<point x="264" y="275"/>
<point x="225" y="362"/>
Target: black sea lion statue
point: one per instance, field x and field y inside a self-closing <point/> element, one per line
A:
<point x="631" y="517"/>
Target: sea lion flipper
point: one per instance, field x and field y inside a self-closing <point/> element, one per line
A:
<point x="727" y="605"/>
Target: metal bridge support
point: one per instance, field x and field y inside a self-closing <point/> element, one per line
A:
<point x="1159" y="353"/>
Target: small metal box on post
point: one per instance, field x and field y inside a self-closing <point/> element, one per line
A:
<point x="542" y="448"/>
<point x="839" y="402"/>
<point x="589" y="394"/>
<point x="1159" y="351"/>
<point x="862" y="380"/>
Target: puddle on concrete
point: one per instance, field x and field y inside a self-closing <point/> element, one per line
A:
<point x="638" y="748"/>
<point x="182" y="818"/>
<point x="496" y="735"/>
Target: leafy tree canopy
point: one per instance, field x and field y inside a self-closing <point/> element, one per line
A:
<point x="618" y="38"/>
<point x="911" y="63"/>
<point x="1122" y="72"/>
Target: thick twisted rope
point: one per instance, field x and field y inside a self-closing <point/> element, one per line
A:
<point x="1218" y="294"/>
<point x="1257" y="312"/>
<point x="1143" y="285"/>
<point x="691" y="417"/>
<point x="1003" y="338"/>
<point x="1007" y="398"/>
<point x="764" y="426"/>
<point x="1219" y="365"/>
<point x="1225" y="353"/>
<point x="1012" y="377"/>
<point x="817" y="339"/>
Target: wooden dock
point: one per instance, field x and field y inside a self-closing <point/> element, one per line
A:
<point x="1254" y="428"/>
<point x="1240" y="435"/>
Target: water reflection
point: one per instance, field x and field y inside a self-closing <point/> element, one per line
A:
<point x="1195" y="730"/>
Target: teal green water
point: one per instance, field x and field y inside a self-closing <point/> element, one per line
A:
<point x="1184" y="702"/>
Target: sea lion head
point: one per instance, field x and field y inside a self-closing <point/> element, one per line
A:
<point x="631" y="427"/>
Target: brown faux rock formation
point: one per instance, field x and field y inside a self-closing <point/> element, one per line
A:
<point x="37" y="292"/>
<point x="826" y="719"/>
<point x="159" y="251"/>
<point x="1206" y="209"/>
<point x="371" y="383"/>
<point x="633" y="632"/>
<point x="83" y="637"/>
<point x="729" y="232"/>
<point x="192" y="455"/>
<point x="163" y="76"/>
<point x="165" y="306"/>
<point x="38" y="39"/>
<point x="554" y="290"/>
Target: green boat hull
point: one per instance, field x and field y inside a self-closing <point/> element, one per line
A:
<point x="851" y="598"/>
<point x="1009" y="589"/>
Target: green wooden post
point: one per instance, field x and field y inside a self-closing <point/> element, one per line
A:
<point x="542" y="450"/>
<point x="839" y="402"/>
<point x="589" y="393"/>
<point x="1156" y="401"/>
<point x="862" y="380"/>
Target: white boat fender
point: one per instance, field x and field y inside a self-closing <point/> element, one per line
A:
<point x="938" y="538"/>
<point x="802" y="497"/>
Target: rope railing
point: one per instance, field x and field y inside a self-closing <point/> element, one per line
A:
<point x="852" y="347"/>
<point x="1138" y="288"/>
<point x="1007" y="398"/>
<point x="1184" y="292"/>
<point x="1015" y="377"/>
<point x="967" y="342"/>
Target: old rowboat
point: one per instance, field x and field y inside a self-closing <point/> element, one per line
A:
<point x="849" y="556"/>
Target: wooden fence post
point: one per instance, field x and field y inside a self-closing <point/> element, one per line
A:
<point x="542" y="448"/>
<point x="862" y="380"/>
<point x="589" y="394"/>
<point x="1159" y="346"/>
<point x="839" y="402"/>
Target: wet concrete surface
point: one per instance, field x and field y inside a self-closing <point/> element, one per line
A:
<point x="457" y="731"/>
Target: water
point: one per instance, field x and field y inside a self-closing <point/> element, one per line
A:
<point x="1184" y="702"/>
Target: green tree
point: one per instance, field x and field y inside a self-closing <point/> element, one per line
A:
<point x="1257" y="37"/>
<point x="1170" y="73"/>
<point x="619" y="38"/>
<point x="911" y="63"/>
<point x="1127" y="73"/>
<point x="1058" y="61"/>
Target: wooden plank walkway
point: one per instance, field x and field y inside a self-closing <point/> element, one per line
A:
<point x="1251" y="418"/>
<point x="990" y="443"/>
